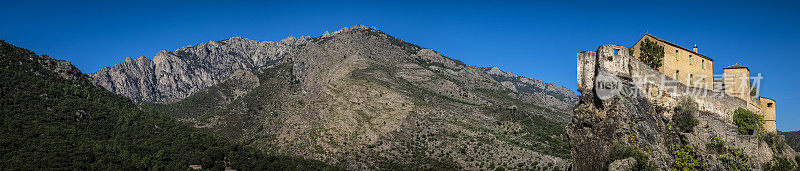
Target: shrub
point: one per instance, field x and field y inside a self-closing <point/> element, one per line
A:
<point x="736" y="160"/>
<point x="797" y="159"/>
<point x="684" y="117"/>
<point x="779" y="164"/>
<point x="684" y="157"/>
<point x="747" y="122"/>
<point x="619" y="152"/>
<point x="773" y="141"/>
<point x="716" y="144"/>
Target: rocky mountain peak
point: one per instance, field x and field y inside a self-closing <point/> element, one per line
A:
<point x="171" y="76"/>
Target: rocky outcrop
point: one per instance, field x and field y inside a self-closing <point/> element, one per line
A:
<point x="622" y="165"/>
<point x="627" y="106"/>
<point x="171" y="76"/>
<point x="551" y="95"/>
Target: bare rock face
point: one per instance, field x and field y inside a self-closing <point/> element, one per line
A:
<point x="622" y="165"/>
<point x="545" y="94"/>
<point x="626" y="110"/>
<point x="171" y="76"/>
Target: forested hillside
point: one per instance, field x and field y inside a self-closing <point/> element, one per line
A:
<point x="53" y="117"/>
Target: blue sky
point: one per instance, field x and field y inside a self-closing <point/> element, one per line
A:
<point x="536" y="39"/>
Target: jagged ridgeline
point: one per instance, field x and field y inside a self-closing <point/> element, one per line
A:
<point x="54" y="117"/>
<point x="356" y="97"/>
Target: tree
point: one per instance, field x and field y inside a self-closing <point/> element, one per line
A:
<point x="684" y="117"/>
<point x="651" y="53"/>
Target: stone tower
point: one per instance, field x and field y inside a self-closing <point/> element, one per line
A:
<point x="737" y="82"/>
<point x="768" y="107"/>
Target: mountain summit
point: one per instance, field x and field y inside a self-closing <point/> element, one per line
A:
<point x="356" y="97"/>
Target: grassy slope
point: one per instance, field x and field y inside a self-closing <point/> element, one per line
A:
<point x="57" y="123"/>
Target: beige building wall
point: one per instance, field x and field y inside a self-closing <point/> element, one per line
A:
<point x="768" y="108"/>
<point x="687" y="66"/>
<point x="737" y="82"/>
<point x="694" y="69"/>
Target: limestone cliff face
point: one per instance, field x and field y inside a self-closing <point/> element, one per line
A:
<point x="171" y="76"/>
<point x="627" y="105"/>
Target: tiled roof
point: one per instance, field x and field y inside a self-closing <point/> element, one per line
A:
<point x="673" y="44"/>
<point x="736" y="66"/>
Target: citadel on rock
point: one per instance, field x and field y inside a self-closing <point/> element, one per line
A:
<point x="696" y="70"/>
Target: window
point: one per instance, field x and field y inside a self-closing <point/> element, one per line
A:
<point x="769" y="104"/>
<point x="616" y="51"/>
<point x="676" y="55"/>
<point x="677" y="72"/>
<point x="690" y="59"/>
<point x="703" y="64"/>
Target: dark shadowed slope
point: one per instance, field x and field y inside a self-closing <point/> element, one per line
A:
<point x="53" y="117"/>
<point x="792" y="139"/>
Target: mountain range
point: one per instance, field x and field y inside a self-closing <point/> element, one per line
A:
<point x="355" y="98"/>
<point x="359" y="99"/>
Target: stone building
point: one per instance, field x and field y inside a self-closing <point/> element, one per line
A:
<point x="687" y="66"/>
<point x="768" y="106"/>
<point x="737" y="81"/>
<point x="696" y="70"/>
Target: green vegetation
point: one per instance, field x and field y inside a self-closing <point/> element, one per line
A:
<point x="735" y="159"/>
<point x="797" y="159"/>
<point x="427" y="63"/>
<point x="408" y="47"/>
<point x="684" y="117"/>
<point x="651" y="53"/>
<point x="731" y="158"/>
<point x="779" y="164"/>
<point x="716" y="144"/>
<point x="547" y="131"/>
<point x="619" y="152"/>
<point x="630" y="52"/>
<point x="775" y="142"/>
<point x="49" y="122"/>
<point x="538" y="132"/>
<point x="239" y="113"/>
<point x="541" y="134"/>
<point x="747" y="122"/>
<point x="683" y="155"/>
<point x="418" y="162"/>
